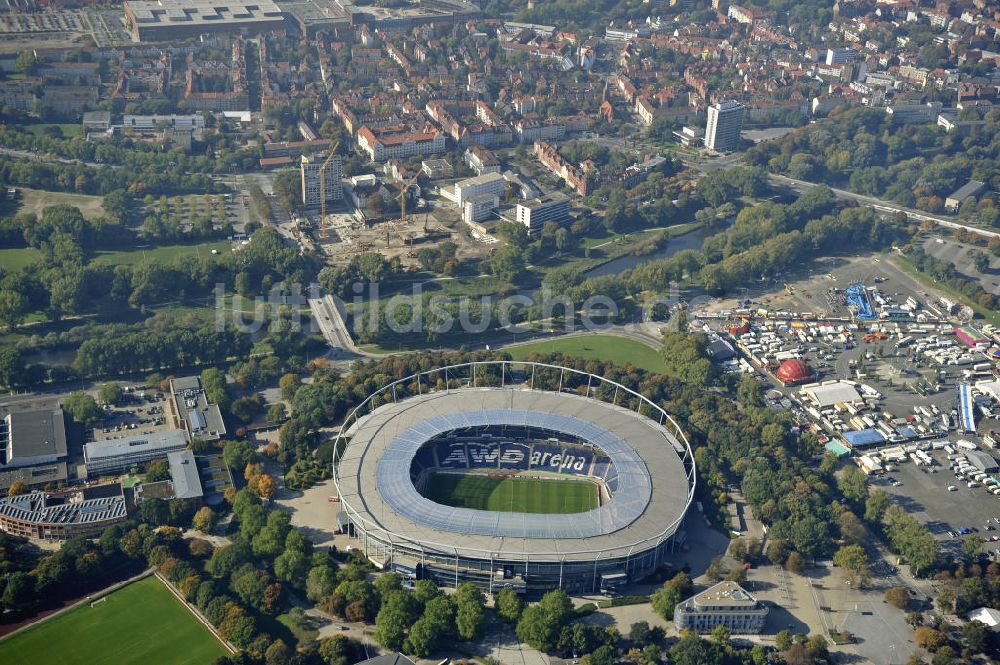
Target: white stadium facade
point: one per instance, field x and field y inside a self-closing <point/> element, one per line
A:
<point x="513" y="419"/>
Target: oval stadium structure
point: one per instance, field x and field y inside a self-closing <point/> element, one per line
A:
<point x="513" y="474"/>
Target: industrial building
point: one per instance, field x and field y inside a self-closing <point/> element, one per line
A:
<point x="725" y="122"/>
<point x="969" y="190"/>
<point x="115" y="455"/>
<point x="309" y="169"/>
<point x="169" y="20"/>
<point x="552" y="207"/>
<point x="32" y="443"/>
<point x="726" y="604"/>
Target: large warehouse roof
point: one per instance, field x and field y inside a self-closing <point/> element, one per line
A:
<point x="832" y="393"/>
<point x="371" y="491"/>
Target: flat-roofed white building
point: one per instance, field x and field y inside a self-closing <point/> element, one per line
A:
<point x="535" y="213"/>
<point x="113" y="455"/>
<point x="726" y="604"/>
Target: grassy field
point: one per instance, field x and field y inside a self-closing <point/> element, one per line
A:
<point x="610" y="348"/>
<point x="68" y="130"/>
<point x="138" y="624"/>
<point x="36" y="200"/>
<point x="15" y="259"/>
<point x="161" y="253"/>
<point x="518" y="495"/>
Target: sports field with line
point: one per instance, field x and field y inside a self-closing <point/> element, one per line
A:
<point x="139" y="624"/>
<point x="516" y="495"/>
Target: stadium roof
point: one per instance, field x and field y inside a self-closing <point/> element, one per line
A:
<point x="375" y="485"/>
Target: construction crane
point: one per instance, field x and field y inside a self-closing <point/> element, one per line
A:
<point x="322" y="181"/>
<point x="402" y="206"/>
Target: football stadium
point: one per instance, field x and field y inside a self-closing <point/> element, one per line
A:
<point x="513" y="474"/>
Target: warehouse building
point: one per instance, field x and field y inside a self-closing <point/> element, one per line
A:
<point x="32" y="443"/>
<point x="116" y="455"/>
<point x="168" y="20"/>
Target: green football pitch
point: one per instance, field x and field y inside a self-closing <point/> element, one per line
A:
<point x="140" y="624"/>
<point x="518" y="495"/>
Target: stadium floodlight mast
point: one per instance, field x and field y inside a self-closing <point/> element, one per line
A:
<point x="603" y="542"/>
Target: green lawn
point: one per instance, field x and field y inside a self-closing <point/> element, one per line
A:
<point x="139" y="624"/>
<point x="15" y="259"/>
<point x="68" y="130"/>
<point x="160" y="253"/>
<point x="609" y="348"/>
<point x="518" y="495"/>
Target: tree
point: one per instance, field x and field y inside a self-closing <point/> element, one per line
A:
<point x="854" y="560"/>
<point x="898" y="597"/>
<point x="157" y="470"/>
<point x="783" y="640"/>
<point x="507" y="263"/>
<point x="540" y="624"/>
<point x="19" y="592"/>
<point x="237" y="454"/>
<point x="509" y="605"/>
<point x="929" y="638"/>
<point x="26" y="63"/>
<point x="17" y="488"/>
<point x="470" y="619"/>
<point x="853" y="484"/>
<point x="13" y="307"/>
<point x="204" y="520"/>
<point x="154" y="511"/>
<point x="665" y="599"/>
<point x="277" y="413"/>
<point x="83" y="408"/>
<point x="977" y="636"/>
<point x="111" y="393"/>
<point x="795" y="563"/>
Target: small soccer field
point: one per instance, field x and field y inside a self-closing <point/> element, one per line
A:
<point x="140" y="624"/>
<point x="516" y="495"/>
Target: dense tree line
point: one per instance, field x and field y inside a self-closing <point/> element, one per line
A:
<point x="132" y="154"/>
<point x="913" y="164"/>
<point x="83" y="179"/>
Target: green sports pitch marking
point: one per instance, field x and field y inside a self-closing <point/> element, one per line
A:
<point x="516" y="495"/>
<point x="139" y="624"/>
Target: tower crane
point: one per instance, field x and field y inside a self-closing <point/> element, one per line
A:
<point x="322" y="181"/>
<point x="402" y="206"/>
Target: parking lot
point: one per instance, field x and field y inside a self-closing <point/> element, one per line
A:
<point x="924" y="494"/>
<point x="138" y="413"/>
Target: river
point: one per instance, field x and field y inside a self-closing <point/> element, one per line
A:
<point x="617" y="266"/>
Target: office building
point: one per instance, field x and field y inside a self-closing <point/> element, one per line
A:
<point x="726" y="604"/>
<point x="43" y="516"/>
<point x="840" y="56"/>
<point x="725" y="121"/>
<point x="552" y="207"/>
<point x="116" y="455"/>
<point x="196" y="414"/>
<point x="184" y="482"/>
<point x="488" y="184"/>
<point x="478" y="208"/>
<point x="310" y="168"/>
